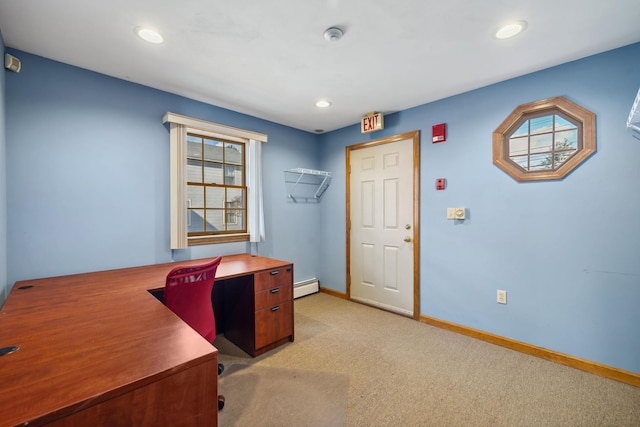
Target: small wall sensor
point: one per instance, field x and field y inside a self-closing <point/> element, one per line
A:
<point x="333" y="34"/>
<point x="12" y="63"/>
<point x="456" y="213"/>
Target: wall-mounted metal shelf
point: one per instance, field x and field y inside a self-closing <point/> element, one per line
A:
<point x="306" y="184"/>
<point x="633" y="122"/>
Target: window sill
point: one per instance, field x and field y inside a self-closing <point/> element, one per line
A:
<point x="225" y="238"/>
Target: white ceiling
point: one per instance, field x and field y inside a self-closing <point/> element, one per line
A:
<point x="268" y="58"/>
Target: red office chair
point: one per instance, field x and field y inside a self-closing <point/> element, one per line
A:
<point x="187" y="293"/>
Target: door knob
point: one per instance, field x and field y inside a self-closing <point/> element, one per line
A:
<point x="407" y="227"/>
<point x="407" y="239"/>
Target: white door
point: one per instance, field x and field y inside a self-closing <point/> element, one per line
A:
<point x="381" y="213"/>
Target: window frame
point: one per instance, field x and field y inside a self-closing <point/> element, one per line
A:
<point x="226" y="209"/>
<point x="583" y="118"/>
<point x="180" y="126"/>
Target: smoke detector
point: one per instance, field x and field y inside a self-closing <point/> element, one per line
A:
<point x="333" y="34"/>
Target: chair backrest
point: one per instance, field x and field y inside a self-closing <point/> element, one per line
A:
<point x="187" y="293"/>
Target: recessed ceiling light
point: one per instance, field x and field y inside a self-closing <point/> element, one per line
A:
<point x="147" y="34"/>
<point x="323" y="103"/>
<point x="511" y="29"/>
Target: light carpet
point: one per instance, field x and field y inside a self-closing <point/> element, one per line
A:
<point x="389" y="370"/>
<point x="263" y="396"/>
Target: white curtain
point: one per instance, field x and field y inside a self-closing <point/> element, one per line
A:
<point x="254" y="171"/>
<point x="178" y="141"/>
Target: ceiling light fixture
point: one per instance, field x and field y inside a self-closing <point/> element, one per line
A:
<point x="323" y="103"/>
<point x="149" y="35"/>
<point x="333" y="34"/>
<point x="511" y="29"/>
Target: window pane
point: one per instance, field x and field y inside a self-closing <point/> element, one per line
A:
<point x="194" y="171"/>
<point x="194" y="147"/>
<point x="195" y="221"/>
<point x="563" y="124"/>
<point x="541" y="124"/>
<point x="541" y="143"/>
<point x="212" y="173"/>
<point x="212" y="150"/>
<point x="540" y="162"/>
<point x="561" y="157"/>
<point x="195" y="196"/>
<point x="233" y="153"/>
<point x="233" y="175"/>
<point x="522" y="161"/>
<point x="235" y="198"/>
<point x="214" y="220"/>
<point x="523" y="130"/>
<point x="215" y="197"/>
<point x="567" y="140"/>
<point x="235" y="220"/>
<point x="518" y="146"/>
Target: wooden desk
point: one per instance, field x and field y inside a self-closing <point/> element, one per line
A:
<point x="98" y="349"/>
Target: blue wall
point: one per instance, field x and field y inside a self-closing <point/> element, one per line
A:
<point x="87" y="167"/>
<point x="565" y="251"/>
<point x="88" y="163"/>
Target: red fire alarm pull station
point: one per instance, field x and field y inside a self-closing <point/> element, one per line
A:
<point x="440" y="183"/>
<point x="439" y="132"/>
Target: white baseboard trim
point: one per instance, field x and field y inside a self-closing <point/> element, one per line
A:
<point x="306" y="287"/>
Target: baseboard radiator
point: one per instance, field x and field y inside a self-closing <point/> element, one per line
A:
<point x="306" y="287"/>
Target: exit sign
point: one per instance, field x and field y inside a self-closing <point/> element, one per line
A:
<point x="372" y="122"/>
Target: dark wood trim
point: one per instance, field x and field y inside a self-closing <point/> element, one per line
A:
<point x="348" y="220"/>
<point x="416" y="225"/>
<point x="333" y="293"/>
<point x="219" y="238"/>
<point x="543" y="353"/>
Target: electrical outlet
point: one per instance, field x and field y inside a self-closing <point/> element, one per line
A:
<point x="502" y="296"/>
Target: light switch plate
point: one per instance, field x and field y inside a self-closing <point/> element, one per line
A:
<point x="502" y="297"/>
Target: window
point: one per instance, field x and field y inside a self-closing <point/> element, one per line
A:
<point x="216" y="190"/>
<point x="544" y="140"/>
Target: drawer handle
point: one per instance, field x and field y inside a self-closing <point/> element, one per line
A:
<point x="274" y="272"/>
<point x="275" y="290"/>
<point x="276" y="308"/>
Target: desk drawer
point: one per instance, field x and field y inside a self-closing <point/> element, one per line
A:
<point x="273" y="278"/>
<point x="273" y="296"/>
<point x="274" y="323"/>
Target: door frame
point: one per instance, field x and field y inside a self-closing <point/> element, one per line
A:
<point x="415" y="135"/>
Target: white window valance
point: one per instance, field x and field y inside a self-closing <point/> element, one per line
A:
<point x="217" y="130"/>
